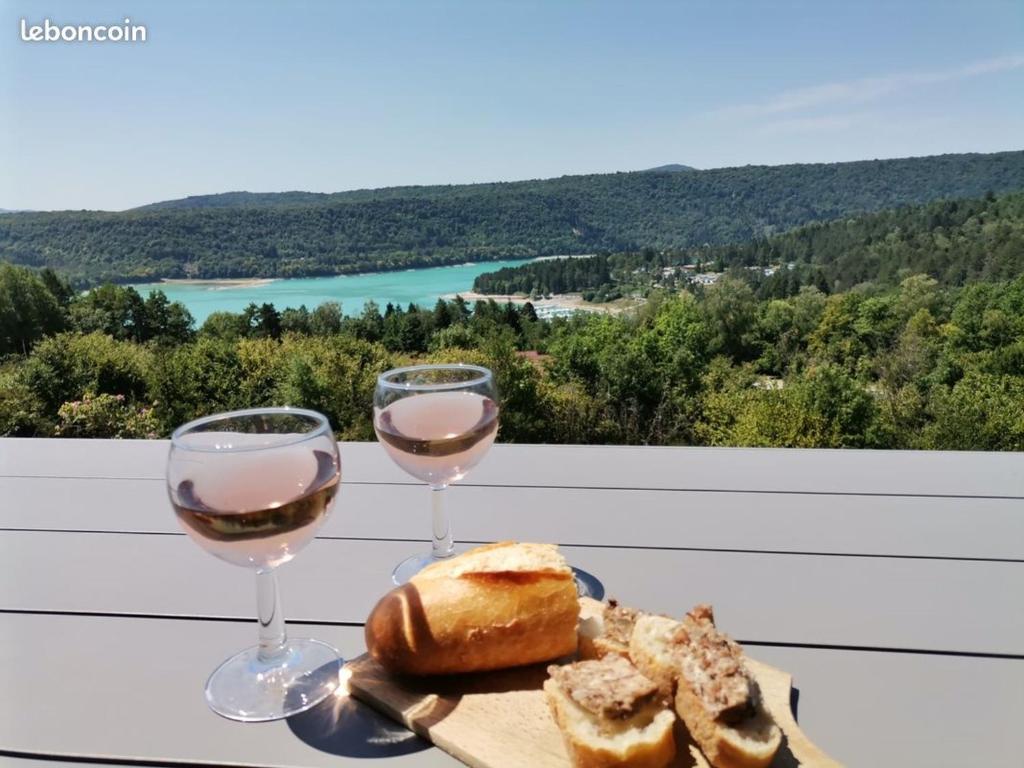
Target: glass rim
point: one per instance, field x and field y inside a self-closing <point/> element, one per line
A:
<point x="483" y="375"/>
<point x="321" y="426"/>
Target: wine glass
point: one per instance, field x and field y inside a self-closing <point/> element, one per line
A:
<point x="436" y="422"/>
<point x="252" y="487"/>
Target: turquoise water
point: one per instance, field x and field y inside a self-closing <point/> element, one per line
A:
<point x="421" y="286"/>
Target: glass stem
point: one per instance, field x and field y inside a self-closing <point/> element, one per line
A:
<point x="444" y="546"/>
<point x="273" y="636"/>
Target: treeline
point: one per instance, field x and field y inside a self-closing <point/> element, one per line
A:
<point x="918" y="365"/>
<point x="954" y="241"/>
<point x="550" y="276"/>
<point x="303" y="234"/>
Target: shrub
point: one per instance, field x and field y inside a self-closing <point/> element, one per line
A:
<point x="106" y="416"/>
<point x="66" y="366"/>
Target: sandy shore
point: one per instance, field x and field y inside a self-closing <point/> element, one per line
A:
<point x="247" y="282"/>
<point x="562" y="300"/>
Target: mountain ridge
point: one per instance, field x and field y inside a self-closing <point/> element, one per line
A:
<point x="244" y="198"/>
<point x="286" y="235"/>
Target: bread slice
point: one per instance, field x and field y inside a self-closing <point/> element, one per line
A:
<point x="677" y="656"/>
<point x="610" y="715"/>
<point x="653" y="652"/>
<point x="751" y="743"/>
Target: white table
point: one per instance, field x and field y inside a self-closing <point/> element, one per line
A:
<point x="890" y="584"/>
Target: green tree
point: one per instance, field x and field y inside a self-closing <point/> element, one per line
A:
<point x="228" y="326"/>
<point x="58" y="285"/>
<point x="730" y="310"/>
<point x="326" y="319"/>
<point x="111" y="309"/>
<point x="370" y="324"/>
<point x="196" y="379"/>
<point x="826" y="408"/>
<point x="836" y="339"/>
<point x="295" y="320"/>
<point x="22" y="413"/>
<point x="442" y="314"/>
<point x="982" y="412"/>
<point x="336" y="376"/>
<point x="28" y="310"/>
<point x="263" y="321"/>
<point x="168" y="322"/>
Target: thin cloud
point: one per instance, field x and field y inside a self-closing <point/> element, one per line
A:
<point x="867" y="89"/>
<point x="815" y="124"/>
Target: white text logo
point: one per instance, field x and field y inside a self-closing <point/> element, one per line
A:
<point x="83" y="33"/>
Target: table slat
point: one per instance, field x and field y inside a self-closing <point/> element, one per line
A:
<point x="597" y="466"/>
<point x="887" y="525"/>
<point x="142" y="697"/>
<point x="849" y="601"/>
<point x="149" y="673"/>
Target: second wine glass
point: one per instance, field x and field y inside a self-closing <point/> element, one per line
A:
<point x="436" y="422"/>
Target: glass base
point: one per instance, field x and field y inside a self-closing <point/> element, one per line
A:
<point x="247" y="689"/>
<point x="588" y="585"/>
<point x="409" y="567"/>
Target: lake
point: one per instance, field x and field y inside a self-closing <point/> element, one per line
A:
<point x="419" y="286"/>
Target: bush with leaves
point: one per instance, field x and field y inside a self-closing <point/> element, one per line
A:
<point x="66" y="366"/>
<point x="982" y="412"/>
<point x="106" y="416"/>
<point x="22" y="413"/>
<point x="825" y="408"/>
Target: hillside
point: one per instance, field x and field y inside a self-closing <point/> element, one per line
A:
<point x="954" y="241"/>
<point x="297" y="233"/>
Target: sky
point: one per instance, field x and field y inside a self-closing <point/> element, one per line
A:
<point x="328" y="96"/>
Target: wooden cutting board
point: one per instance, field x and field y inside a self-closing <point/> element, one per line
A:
<point x="501" y="719"/>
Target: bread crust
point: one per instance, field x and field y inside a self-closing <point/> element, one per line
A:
<point x="725" y="746"/>
<point x="503" y="605"/>
<point x="657" y="752"/>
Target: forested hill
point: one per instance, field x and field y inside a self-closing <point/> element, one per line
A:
<point x="954" y="241"/>
<point x="298" y="233"/>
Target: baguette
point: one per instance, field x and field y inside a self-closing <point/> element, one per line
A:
<point x="610" y="715"/>
<point x="496" y="606"/>
<point x="715" y="695"/>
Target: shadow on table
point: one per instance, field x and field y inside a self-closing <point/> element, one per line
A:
<point x="341" y="725"/>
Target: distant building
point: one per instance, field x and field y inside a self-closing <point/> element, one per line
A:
<point x="706" y="278"/>
<point x="546" y="313"/>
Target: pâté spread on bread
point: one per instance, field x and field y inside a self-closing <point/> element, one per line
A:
<point x="714" y="663"/>
<point x="611" y="687"/>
